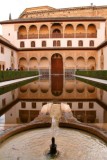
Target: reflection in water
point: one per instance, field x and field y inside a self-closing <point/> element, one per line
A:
<point x="87" y="102"/>
<point x="57" y="84"/>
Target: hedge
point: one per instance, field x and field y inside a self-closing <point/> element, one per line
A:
<point x="100" y="74"/>
<point x="11" y="75"/>
<point x="11" y="87"/>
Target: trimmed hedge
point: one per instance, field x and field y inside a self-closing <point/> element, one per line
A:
<point x="11" y="75"/>
<point x="11" y="87"/>
<point x="94" y="74"/>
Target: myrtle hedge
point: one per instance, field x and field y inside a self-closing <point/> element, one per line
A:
<point x="94" y="74"/>
<point x="11" y="75"/>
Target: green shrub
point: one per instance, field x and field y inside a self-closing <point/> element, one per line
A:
<point x="10" y="75"/>
<point x="94" y="74"/>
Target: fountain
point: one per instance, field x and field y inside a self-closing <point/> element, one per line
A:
<point x="53" y="153"/>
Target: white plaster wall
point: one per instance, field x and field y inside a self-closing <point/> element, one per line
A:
<point x="8" y="31"/>
<point x="6" y="56"/>
<point x="101" y="33"/>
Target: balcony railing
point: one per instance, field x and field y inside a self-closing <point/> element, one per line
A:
<point x="91" y="35"/>
<point x="32" y="36"/>
<point x="43" y="35"/>
<point x="80" y="35"/>
<point x="56" y="35"/>
<point x="22" y="36"/>
<point x="69" y="35"/>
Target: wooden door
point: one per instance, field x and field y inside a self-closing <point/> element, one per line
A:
<point x="56" y="64"/>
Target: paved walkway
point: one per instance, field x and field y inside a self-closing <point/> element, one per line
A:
<point x="93" y="79"/>
<point x="15" y="81"/>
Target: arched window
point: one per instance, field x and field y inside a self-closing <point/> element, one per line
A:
<point x="58" y="43"/>
<point x="91" y="43"/>
<point x="80" y="43"/>
<point x="43" y="43"/>
<point x="32" y="43"/>
<point x="54" y="43"/>
<point x="22" y="44"/>
<point x="69" y="43"/>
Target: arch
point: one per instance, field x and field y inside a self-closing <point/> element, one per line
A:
<point x="69" y="43"/>
<point x="91" y="64"/>
<point x="80" y="87"/>
<point x="91" y="89"/>
<point x="56" y="64"/>
<point x="33" y="64"/>
<point x="80" y="63"/>
<point x="23" y="64"/>
<point x="44" y="62"/>
<point x="69" y="87"/>
<point x="80" y="31"/>
<point x="69" y="31"/>
<point x="24" y="88"/>
<point x="32" y="43"/>
<point x="43" y="43"/>
<point x="69" y="63"/>
<point x="33" y="87"/>
<point x="91" y="31"/>
<point x="22" y="44"/>
<point x="22" y="32"/>
<point x="56" y="30"/>
<point x="80" y="43"/>
<point x="44" y="87"/>
<point x="91" y="43"/>
<point x="32" y="33"/>
<point x="44" y="31"/>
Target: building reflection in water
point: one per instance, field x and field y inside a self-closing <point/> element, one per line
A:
<point x="87" y="102"/>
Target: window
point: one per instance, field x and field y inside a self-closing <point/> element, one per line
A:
<point x="80" y="105"/>
<point x="80" y="43"/>
<point x="91" y="43"/>
<point x="2" y="49"/>
<point x="22" y="44"/>
<point x="23" y="105"/>
<point x="33" y="105"/>
<point x="69" y="43"/>
<point x="56" y="43"/>
<point x="32" y="43"/>
<point x="43" y="43"/>
<point x="91" y="105"/>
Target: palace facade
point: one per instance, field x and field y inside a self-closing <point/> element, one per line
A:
<point x="55" y="40"/>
